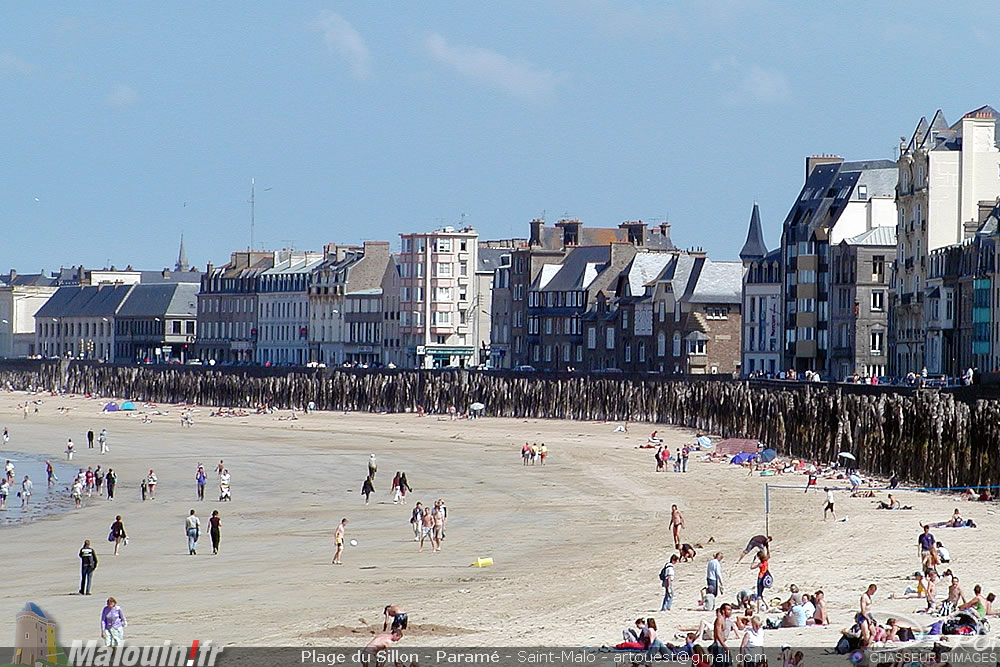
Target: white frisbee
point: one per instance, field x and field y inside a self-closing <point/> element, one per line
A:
<point x="354" y="543"/>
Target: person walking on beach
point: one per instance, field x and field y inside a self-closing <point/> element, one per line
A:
<point x="403" y="487"/>
<point x="151" y="484"/>
<point x="416" y="519"/>
<point x="437" y="514"/>
<point x="338" y="540"/>
<point x="720" y="630"/>
<point x="4" y="490"/>
<point x="714" y="575"/>
<point x="200" y="478"/>
<point x="829" y="503"/>
<point x="443" y="511"/>
<point x="676" y="523"/>
<point x="88" y="483"/>
<point x="426" y="529"/>
<point x="215" y="530"/>
<point x="866" y="604"/>
<point x="109" y="482"/>
<point x="225" y="493"/>
<point x="368" y="488"/>
<point x="372" y="466"/>
<point x="69" y="449"/>
<point x="925" y="547"/>
<point x="50" y="473"/>
<point x="6" y="435"/>
<point x="90" y="439"/>
<point x="758" y="542"/>
<point x="764" y="577"/>
<point x="88" y="563"/>
<point x="26" y="487"/>
<point x="192" y="526"/>
<point x="102" y="440"/>
<point x="117" y="534"/>
<point x="113" y="624"/>
<point x="76" y="492"/>
<point x="219" y="468"/>
<point x="684" y="458"/>
<point x="667" y="580"/>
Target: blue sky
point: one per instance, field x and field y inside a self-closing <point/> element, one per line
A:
<point x="128" y="123"/>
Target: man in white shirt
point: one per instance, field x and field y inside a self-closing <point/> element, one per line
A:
<point x="829" y="504"/>
<point x="192" y="526"/>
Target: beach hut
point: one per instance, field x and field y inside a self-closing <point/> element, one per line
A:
<point x="111" y="407"/>
<point x="128" y="405"/>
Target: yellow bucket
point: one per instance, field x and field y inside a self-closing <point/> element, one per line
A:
<point x="483" y="562"/>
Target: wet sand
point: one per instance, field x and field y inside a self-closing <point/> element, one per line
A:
<point x="577" y="544"/>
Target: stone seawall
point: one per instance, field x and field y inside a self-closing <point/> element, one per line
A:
<point x="934" y="438"/>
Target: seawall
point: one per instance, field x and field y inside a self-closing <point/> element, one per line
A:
<point x="931" y="437"/>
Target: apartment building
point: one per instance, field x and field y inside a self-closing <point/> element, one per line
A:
<point x="78" y="321"/>
<point x="944" y="171"/>
<point x="439" y="301"/>
<point x="21" y="296"/>
<point x="344" y="270"/>
<point x="283" y="302"/>
<point x="157" y="323"/>
<point x="859" y="318"/>
<point x="839" y="200"/>
<point x="548" y="246"/>
<point x="761" y="303"/>
<point x="227" y="327"/>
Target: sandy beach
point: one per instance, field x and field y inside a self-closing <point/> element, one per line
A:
<point x="577" y="544"/>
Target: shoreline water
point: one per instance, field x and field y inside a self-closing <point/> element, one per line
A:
<point x="46" y="501"/>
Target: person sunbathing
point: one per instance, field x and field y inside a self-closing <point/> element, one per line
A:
<point x="820" y="615"/>
<point x="893" y="504"/>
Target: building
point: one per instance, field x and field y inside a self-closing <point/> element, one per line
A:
<point x="491" y="256"/>
<point x="501" y="314"/>
<point x="227" y="307"/>
<point x="283" y="302"/>
<point x="20" y="298"/>
<point x="630" y="312"/>
<point x="859" y="291"/>
<point x="78" y="321"/>
<point x="944" y="171"/>
<point x="548" y="246"/>
<point x="34" y="637"/>
<point x="763" y="322"/>
<point x="438" y="298"/>
<point x="567" y="301"/>
<point x="157" y="323"/>
<point x="343" y="270"/>
<point x="839" y="200"/>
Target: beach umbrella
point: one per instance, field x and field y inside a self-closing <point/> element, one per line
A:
<point x="477" y="407"/>
<point x="768" y="455"/>
<point x="111" y="407"/>
<point x="128" y="405"/>
<point x="847" y="455"/>
<point x="742" y="457"/>
<point x="704" y="441"/>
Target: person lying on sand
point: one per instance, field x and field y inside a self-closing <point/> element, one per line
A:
<point x="893" y="504"/>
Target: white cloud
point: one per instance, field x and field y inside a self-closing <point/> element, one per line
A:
<point x="341" y="37"/>
<point x="754" y="84"/>
<point x="515" y="76"/>
<point x="122" y="95"/>
<point x="10" y="64"/>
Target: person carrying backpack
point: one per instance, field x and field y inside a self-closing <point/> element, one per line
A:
<point x="667" y="581"/>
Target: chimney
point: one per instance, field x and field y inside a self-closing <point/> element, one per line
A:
<point x="814" y="161"/>
<point x="571" y="232"/>
<point x="536" y="231"/>
<point x="636" y="231"/>
<point x="208" y="268"/>
<point x="376" y="249"/>
<point x="13" y="274"/>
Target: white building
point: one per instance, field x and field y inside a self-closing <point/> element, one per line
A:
<point x="283" y="303"/>
<point x="438" y="299"/>
<point x="20" y="298"/>
<point x="760" y="342"/>
<point x="343" y="270"/>
<point x="944" y="172"/>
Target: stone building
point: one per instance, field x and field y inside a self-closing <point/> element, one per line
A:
<point x="283" y="301"/>
<point x="227" y="307"/>
<point x="157" y="323"/>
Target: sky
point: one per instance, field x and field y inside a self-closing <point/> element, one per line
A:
<point x="128" y="124"/>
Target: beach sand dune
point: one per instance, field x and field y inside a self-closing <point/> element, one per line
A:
<point x="577" y="544"/>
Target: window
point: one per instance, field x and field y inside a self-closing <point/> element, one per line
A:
<point x="696" y="347"/>
<point x="442" y="294"/>
<point x="807" y="276"/>
<point x="663" y="311"/>
<point x="717" y="313"/>
<point x="877" y="340"/>
<point x="442" y="318"/>
<point x="661" y="344"/>
<point x="862" y="191"/>
<point x="878" y="300"/>
<point x="878" y="269"/>
<point x="548" y="325"/>
<point x="443" y="245"/>
<point x="591" y="338"/>
<point x="609" y="342"/>
<point x="443" y="269"/>
<point x="566" y="352"/>
<point x="642" y="352"/>
<point x="463" y="245"/>
<point x="548" y="353"/>
<point x="579" y="353"/>
<point x="677" y="344"/>
<point x="628" y="353"/>
<point x="463" y="268"/>
<point x="624" y="319"/>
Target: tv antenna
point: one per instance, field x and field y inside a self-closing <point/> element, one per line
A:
<point x="253" y="203"/>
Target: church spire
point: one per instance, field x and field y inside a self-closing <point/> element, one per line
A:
<point x="182" y="260"/>
<point x="754" y="248"/>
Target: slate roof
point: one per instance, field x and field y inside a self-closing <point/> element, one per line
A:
<point x="28" y="280"/>
<point x="643" y="268"/>
<point x="875" y="236"/>
<point x="754" y="248"/>
<point x="166" y="276"/>
<point x="488" y="259"/>
<point x="718" y="282"/>
<point x="578" y="269"/>
<point x="85" y="301"/>
<point x="178" y="299"/>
